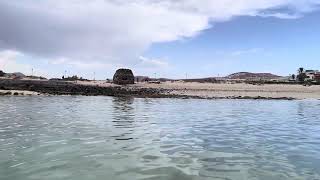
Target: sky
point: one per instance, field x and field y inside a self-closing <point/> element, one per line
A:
<point x="158" y="38"/>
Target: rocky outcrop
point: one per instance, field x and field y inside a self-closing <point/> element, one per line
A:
<point x="123" y="77"/>
<point x="249" y="75"/>
<point x="2" y="73"/>
<point x="68" y="88"/>
<point x="9" y="86"/>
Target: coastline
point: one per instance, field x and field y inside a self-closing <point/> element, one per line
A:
<point x="19" y="93"/>
<point x="241" y="90"/>
<point x="163" y="90"/>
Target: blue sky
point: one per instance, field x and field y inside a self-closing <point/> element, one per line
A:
<point x="253" y="44"/>
<point x="203" y="38"/>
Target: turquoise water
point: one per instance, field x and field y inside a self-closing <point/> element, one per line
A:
<point x="82" y="138"/>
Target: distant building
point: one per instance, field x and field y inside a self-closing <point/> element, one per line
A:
<point x="141" y="78"/>
<point x="311" y="75"/>
<point x="317" y="77"/>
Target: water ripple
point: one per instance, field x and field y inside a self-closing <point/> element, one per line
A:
<point x="73" y="137"/>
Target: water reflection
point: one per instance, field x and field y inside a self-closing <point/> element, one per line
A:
<point x="123" y="117"/>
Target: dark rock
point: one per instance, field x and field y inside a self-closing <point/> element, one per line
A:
<point x="15" y="94"/>
<point x="4" y="93"/>
<point x="123" y="77"/>
<point x="2" y="73"/>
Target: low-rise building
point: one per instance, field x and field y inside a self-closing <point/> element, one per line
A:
<point x="317" y="77"/>
<point x="311" y="75"/>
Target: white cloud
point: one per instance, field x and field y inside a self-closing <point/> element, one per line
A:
<point x="8" y="62"/>
<point x="6" y="57"/>
<point x="247" y="51"/>
<point x="80" y="64"/>
<point x="281" y="15"/>
<point x="152" y="63"/>
<point x="92" y="30"/>
<point x="103" y="32"/>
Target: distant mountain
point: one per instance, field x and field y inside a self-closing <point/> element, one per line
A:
<point x="238" y="75"/>
<point x="202" y="80"/>
<point x="249" y="75"/>
<point x="15" y="74"/>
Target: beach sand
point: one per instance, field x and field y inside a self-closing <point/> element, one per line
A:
<point x="225" y="90"/>
<point x="209" y="90"/>
<point x="165" y="89"/>
<point x="19" y="93"/>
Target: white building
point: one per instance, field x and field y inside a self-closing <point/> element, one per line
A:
<point x="311" y="74"/>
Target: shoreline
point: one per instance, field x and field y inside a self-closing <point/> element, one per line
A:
<point x="34" y="93"/>
<point x="180" y="90"/>
<point x="19" y="93"/>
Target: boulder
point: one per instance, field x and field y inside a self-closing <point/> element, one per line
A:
<point x="123" y="77"/>
<point x="2" y="73"/>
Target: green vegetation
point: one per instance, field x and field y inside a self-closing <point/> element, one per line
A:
<point x="73" y="78"/>
<point x="301" y="75"/>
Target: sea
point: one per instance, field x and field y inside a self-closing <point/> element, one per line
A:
<point x="114" y="138"/>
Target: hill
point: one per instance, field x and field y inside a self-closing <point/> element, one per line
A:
<point x="249" y="75"/>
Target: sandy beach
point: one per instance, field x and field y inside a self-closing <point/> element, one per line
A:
<point x="164" y="89"/>
<point x="19" y="93"/>
<point x="241" y="90"/>
<point x="225" y="90"/>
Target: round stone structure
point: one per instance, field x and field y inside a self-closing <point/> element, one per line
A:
<point x="123" y="77"/>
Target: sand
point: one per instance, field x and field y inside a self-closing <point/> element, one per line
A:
<point x="225" y="90"/>
<point x="20" y="93"/>
<point x="209" y="90"/>
<point x="206" y="90"/>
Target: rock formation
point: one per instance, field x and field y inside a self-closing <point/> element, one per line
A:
<point x="248" y="75"/>
<point x="123" y="77"/>
<point x="2" y="73"/>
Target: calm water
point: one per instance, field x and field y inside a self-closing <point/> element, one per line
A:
<point x="102" y="138"/>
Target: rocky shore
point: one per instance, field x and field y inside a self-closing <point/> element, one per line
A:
<point x="163" y="90"/>
<point x="18" y="93"/>
<point x="73" y="88"/>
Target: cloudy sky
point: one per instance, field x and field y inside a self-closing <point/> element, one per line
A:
<point x="171" y="38"/>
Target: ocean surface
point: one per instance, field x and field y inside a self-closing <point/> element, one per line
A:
<point x="106" y="138"/>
